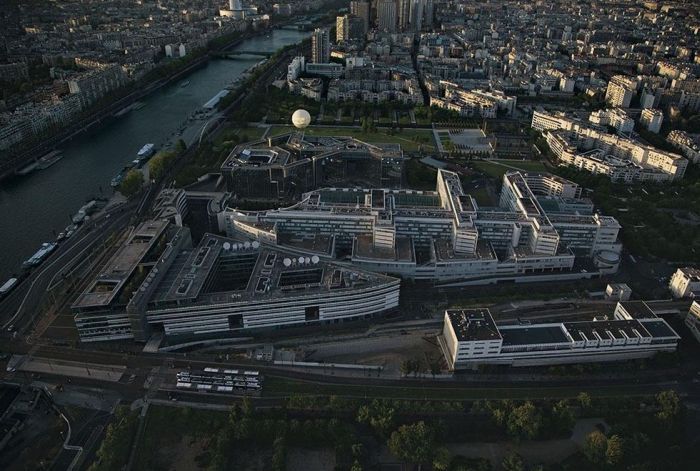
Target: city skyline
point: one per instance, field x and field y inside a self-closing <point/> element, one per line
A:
<point x="326" y="234"/>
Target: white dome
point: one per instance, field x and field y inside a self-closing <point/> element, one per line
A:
<point x="301" y="119"/>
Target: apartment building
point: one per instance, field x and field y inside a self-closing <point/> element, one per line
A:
<point x="620" y="91"/>
<point x="620" y="158"/>
<point x="320" y="46"/>
<point x="474" y="103"/>
<point x="685" y="283"/>
<point x="688" y="146"/>
<point x="652" y="119"/>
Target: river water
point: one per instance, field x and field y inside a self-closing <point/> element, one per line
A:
<point x="33" y="207"/>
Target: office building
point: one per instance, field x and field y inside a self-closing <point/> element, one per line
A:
<point x="387" y="16"/>
<point x="320" y="46"/>
<point x="540" y="228"/>
<point x="404" y="14"/>
<point x="348" y="28"/>
<point x="113" y="304"/>
<point x="284" y="167"/>
<point x="471" y="338"/>
<point x="416" y="15"/>
<point x="218" y="288"/>
<point x="361" y="10"/>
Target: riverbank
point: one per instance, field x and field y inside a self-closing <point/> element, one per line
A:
<point x="32" y="207"/>
<point x="107" y="115"/>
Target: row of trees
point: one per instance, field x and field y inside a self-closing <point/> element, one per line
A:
<point x="116" y="446"/>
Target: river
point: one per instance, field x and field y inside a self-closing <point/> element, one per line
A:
<point x="36" y="207"/>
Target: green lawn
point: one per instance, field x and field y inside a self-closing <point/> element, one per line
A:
<point x="496" y="168"/>
<point x="244" y="134"/>
<point x="404" y="138"/>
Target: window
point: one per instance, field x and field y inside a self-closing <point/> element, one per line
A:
<point x="311" y="313"/>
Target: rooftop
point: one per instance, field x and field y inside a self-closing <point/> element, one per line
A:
<point x="119" y="268"/>
<point x="473" y="324"/>
<point x="533" y="335"/>
<point x="223" y="271"/>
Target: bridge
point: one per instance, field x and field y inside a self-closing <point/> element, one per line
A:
<point x="236" y="54"/>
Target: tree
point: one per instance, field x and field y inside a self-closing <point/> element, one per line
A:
<point x="161" y="162"/>
<point x="356" y="466"/>
<point x="563" y="415"/>
<point x="524" y="421"/>
<point x="595" y="447"/>
<point x="513" y="462"/>
<point x="131" y="184"/>
<point x="279" y="454"/>
<point x="442" y="459"/>
<point x="584" y="400"/>
<point x="180" y="146"/>
<point x="613" y="452"/>
<point x="407" y="367"/>
<point x="414" y="443"/>
<point x="379" y="415"/>
<point x="670" y="407"/>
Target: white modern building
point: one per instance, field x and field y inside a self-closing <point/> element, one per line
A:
<point x="161" y="284"/>
<point x="537" y="231"/>
<point x="685" y="283"/>
<point x="470" y="338"/>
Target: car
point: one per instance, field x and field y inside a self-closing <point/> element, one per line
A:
<point x="69" y="234"/>
<point x="11" y="328"/>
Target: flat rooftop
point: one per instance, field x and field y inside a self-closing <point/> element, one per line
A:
<point x="224" y="271"/>
<point x="364" y="248"/>
<point x="533" y="335"/>
<point x="444" y="251"/>
<point x="606" y="330"/>
<point x="473" y="324"/>
<point x="692" y="273"/>
<point x="554" y="334"/>
<point x="115" y="273"/>
<point x="638" y="310"/>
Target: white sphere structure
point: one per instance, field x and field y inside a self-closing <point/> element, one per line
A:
<point x="301" y="119"/>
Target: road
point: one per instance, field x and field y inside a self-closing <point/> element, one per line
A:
<point x="21" y="306"/>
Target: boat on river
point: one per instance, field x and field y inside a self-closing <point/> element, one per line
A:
<point x="49" y="159"/>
